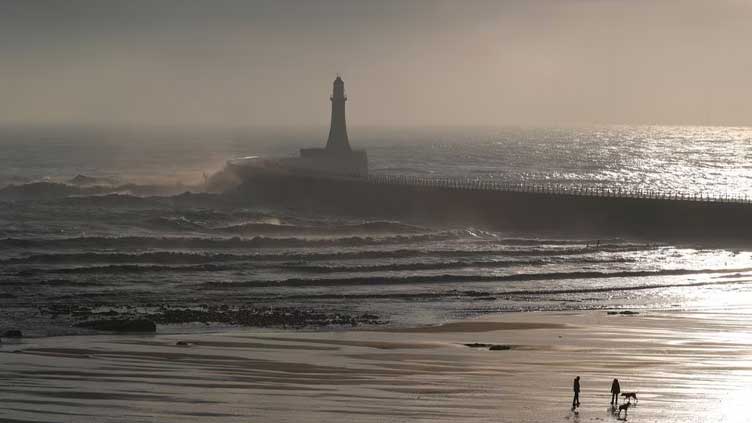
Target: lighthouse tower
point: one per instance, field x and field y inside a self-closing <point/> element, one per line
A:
<point x="338" y="142"/>
<point x="337" y="158"/>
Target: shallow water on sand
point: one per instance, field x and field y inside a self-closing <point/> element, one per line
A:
<point x="685" y="367"/>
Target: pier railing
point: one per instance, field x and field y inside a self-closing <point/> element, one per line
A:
<point x="551" y="189"/>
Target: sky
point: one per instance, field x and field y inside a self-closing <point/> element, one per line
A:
<point x="236" y="63"/>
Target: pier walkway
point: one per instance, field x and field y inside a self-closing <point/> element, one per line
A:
<point x="553" y="189"/>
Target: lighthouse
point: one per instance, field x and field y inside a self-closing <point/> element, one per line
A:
<point x="337" y="158"/>
<point x="338" y="141"/>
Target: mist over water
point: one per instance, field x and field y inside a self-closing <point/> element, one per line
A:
<point x="126" y="252"/>
<point x="666" y="159"/>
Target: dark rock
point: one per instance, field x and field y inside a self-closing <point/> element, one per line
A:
<point x="477" y="345"/>
<point x="629" y="313"/>
<point x="611" y="313"/>
<point x="500" y="347"/>
<point x="250" y="315"/>
<point x="491" y="347"/>
<point x="13" y="333"/>
<point x="183" y="343"/>
<point x="120" y="325"/>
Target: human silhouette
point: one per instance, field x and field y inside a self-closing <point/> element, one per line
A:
<point x="576" y="389"/>
<point x="615" y="390"/>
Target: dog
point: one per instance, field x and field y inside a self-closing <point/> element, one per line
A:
<point x="624" y="407"/>
<point x="629" y="395"/>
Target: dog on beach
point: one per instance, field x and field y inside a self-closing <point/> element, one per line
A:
<point x="629" y="395"/>
<point x="624" y="407"/>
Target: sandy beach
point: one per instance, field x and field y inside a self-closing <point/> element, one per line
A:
<point x="686" y="367"/>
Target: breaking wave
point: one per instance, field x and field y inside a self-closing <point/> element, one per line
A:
<point x="375" y="227"/>
<point x="207" y="263"/>
<point x="504" y="294"/>
<point x="127" y="268"/>
<point x="46" y="190"/>
<point x="135" y="242"/>
<point x="442" y="265"/>
<point x="448" y="278"/>
<point x="172" y="257"/>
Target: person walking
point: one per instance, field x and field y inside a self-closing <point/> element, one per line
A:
<point x="576" y="389"/>
<point x="615" y="390"/>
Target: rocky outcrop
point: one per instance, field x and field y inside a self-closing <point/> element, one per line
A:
<point x="490" y="347"/>
<point x="499" y="347"/>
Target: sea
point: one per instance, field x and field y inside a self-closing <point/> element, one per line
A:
<point x="148" y="242"/>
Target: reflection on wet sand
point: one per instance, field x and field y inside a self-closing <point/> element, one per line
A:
<point x="672" y="359"/>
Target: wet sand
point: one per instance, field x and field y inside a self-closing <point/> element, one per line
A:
<point x="685" y="366"/>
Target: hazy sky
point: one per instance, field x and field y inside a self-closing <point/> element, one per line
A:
<point x="404" y="62"/>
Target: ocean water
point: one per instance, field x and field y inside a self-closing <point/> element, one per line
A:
<point x="130" y="255"/>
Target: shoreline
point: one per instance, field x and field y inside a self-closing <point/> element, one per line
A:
<point x="371" y="324"/>
<point x="671" y="358"/>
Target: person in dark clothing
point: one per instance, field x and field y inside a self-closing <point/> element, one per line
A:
<point x="615" y="390"/>
<point x="576" y="388"/>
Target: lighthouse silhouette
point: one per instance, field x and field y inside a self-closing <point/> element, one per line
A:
<point x="338" y="141"/>
<point x="337" y="158"/>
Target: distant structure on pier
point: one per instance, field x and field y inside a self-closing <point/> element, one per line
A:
<point x="337" y="158"/>
<point x="338" y="141"/>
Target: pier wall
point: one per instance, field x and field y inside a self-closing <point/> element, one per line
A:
<point x="509" y="207"/>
